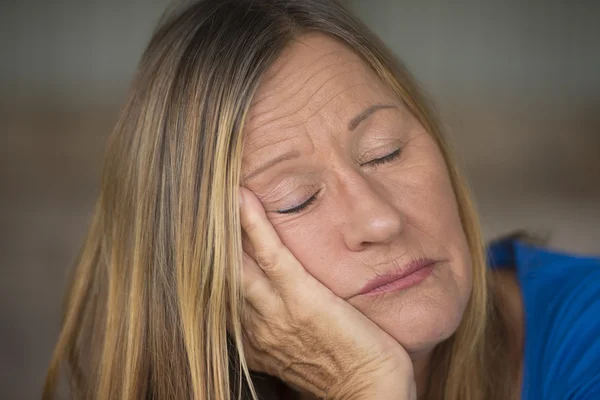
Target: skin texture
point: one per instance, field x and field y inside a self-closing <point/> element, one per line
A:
<point x="366" y="218"/>
<point x="297" y="329"/>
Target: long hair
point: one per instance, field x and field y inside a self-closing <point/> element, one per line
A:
<point x="153" y="308"/>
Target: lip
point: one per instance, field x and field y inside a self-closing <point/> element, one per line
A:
<point x="399" y="278"/>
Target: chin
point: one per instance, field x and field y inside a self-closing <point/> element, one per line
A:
<point x="422" y="331"/>
<point x="420" y="317"/>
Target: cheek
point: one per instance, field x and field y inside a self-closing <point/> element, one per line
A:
<point x="423" y="192"/>
<point x="316" y="242"/>
<point x="307" y="245"/>
<point x="429" y="204"/>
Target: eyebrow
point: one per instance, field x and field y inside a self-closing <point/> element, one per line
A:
<point x="290" y="155"/>
<point x="366" y="113"/>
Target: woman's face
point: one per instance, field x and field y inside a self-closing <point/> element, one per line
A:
<point x="356" y="187"/>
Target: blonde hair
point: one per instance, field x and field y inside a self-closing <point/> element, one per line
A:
<point x="153" y="308"/>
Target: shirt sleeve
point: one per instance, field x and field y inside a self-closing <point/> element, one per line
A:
<point x="562" y="317"/>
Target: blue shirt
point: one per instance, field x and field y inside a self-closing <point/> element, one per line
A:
<point x="561" y="301"/>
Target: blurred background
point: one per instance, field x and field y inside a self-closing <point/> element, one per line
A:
<point x="517" y="85"/>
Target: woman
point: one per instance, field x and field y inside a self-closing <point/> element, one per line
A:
<point x="277" y="197"/>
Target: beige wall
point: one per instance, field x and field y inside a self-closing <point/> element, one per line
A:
<point x="64" y="71"/>
<point x="516" y="84"/>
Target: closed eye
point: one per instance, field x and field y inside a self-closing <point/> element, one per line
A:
<point x="382" y="160"/>
<point x="378" y="161"/>
<point x="301" y="207"/>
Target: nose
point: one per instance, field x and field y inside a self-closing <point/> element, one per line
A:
<point x="371" y="214"/>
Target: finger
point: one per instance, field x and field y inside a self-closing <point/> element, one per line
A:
<point x="270" y="253"/>
<point x="257" y="288"/>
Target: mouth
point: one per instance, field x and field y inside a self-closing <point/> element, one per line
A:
<point x="404" y="277"/>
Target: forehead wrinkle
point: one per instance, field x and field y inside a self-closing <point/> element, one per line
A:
<point x="301" y="90"/>
<point x="262" y="142"/>
<point x="304" y="150"/>
<point x="297" y="121"/>
<point x="300" y="107"/>
<point x="288" y="56"/>
<point x="274" y="78"/>
<point x="305" y="98"/>
<point x="283" y="60"/>
<point x="306" y="122"/>
<point x="323" y="84"/>
<point x="335" y="96"/>
<point x="299" y="138"/>
<point x="318" y="113"/>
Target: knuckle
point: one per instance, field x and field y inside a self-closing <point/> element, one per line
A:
<point x="263" y="341"/>
<point x="257" y="334"/>
<point x="253" y="290"/>
<point x="265" y="258"/>
<point x="260" y="340"/>
<point x="301" y="319"/>
<point x="251" y="335"/>
<point x="250" y="223"/>
<point x="247" y="224"/>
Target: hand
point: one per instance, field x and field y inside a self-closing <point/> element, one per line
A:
<point x="298" y="330"/>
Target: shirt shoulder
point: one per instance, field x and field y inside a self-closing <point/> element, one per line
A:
<point x="561" y="301"/>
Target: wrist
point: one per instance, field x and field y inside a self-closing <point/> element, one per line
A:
<point x="390" y="380"/>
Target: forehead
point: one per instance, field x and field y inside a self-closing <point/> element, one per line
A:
<point x="317" y="80"/>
